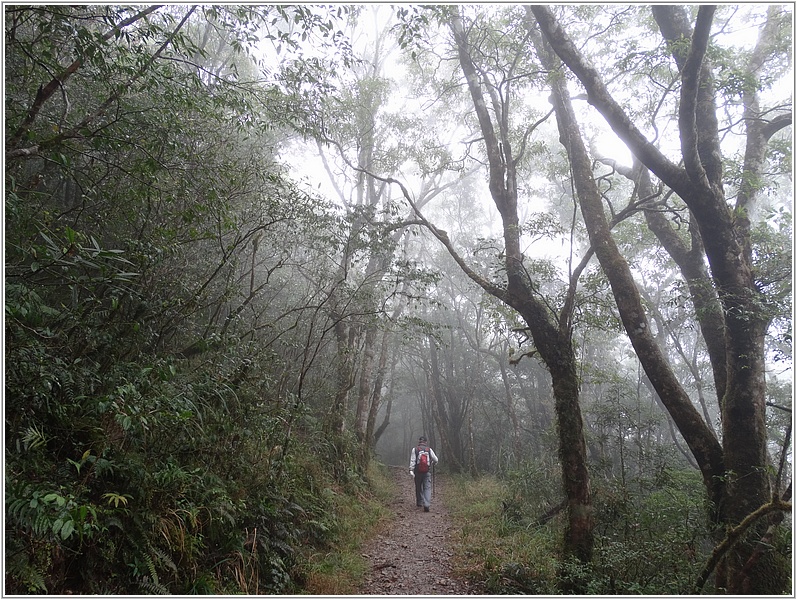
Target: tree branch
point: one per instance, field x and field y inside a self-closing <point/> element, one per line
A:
<point x="122" y="89"/>
<point x="674" y="25"/>
<point x="46" y="91"/>
<point x="599" y="97"/>
<point x="734" y="535"/>
<point x="442" y="236"/>
<point x="491" y="140"/>
<point x="690" y="85"/>
<point x="776" y="125"/>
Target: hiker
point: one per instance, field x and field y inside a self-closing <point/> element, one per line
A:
<point x="422" y="458"/>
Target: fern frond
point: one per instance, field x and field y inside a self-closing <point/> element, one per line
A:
<point x="165" y="559"/>
<point x="35" y="580"/>
<point x="151" y="566"/>
<point x="33" y="438"/>
<point x="41" y="524"/>
<point x="18" y="567"/>
<point x="67" y="384"/>
<point x="153" y="587"/>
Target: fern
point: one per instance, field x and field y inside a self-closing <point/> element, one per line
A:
<point x="164" y="558"/>
<point x="150" y="562"/>
<point x="112" y="521"/>
<point x="17" y="501"/>
<point x="18" y="567"/>
<point x="153" y="587"/>
<point x="66" y="382"/>
<point x="27" y="510"/>
<point x="41" y="523"/>
<point x="34" y="438"/>
<point x="152" y="558"/>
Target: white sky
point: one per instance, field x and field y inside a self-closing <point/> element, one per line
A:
<point x="742" y="30"/>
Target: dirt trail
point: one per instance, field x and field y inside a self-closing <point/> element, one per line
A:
<point x="413" y="556"/>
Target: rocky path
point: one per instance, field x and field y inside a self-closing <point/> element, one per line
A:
<point x="413" y="556"/>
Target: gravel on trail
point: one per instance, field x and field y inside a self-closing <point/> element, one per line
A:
<point x="413" y="556"/>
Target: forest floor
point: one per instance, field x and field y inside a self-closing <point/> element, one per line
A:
<point x="413" y="556"/>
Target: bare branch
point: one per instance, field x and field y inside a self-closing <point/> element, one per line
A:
<point x="442" y="236"/>
<point x="598" y="96"/>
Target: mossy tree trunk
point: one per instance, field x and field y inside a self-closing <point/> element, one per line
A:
<point x="550" y="333"/>
<point x="735" y="472"/>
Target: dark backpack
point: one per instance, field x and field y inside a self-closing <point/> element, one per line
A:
<point x="422" y="459"/>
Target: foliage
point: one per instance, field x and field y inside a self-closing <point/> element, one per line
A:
<point x="178" y="309"/>
<point x="156" y="482"/>
<point x="337" y="570"/>
<point x="653" y="535"/>
<point x="651" y="540"/>
<point x="157" y="434"/>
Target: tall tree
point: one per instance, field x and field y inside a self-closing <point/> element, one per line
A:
<point x="551" y="332"/>
<point x="735" y="473"/>
<point x="361" y="130"/>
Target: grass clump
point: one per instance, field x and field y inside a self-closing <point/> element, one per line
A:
<point x="492" y="548"/>
<point x="651" y="535"/>
<point x="358" y="516"/>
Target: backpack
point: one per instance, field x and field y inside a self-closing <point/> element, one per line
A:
<point x="423" y="459"/>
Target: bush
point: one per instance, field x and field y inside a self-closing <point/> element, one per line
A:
<point x="496" y="551"/>
<point x="653" y="541"/>
<point x="148" y="479"/>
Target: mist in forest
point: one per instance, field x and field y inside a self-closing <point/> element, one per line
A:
<point x="253" y="252"/>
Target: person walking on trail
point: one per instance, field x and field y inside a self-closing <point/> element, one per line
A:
<point x="422" y="458"/>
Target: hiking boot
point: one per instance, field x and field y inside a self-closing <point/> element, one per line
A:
<point x="425" y="509"/>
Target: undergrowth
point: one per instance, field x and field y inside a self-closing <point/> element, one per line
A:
<point x="650" y="537"/>
<point x="502" y="557"/>
<point x="155" y="476"/>
<point x="337" y="570"/>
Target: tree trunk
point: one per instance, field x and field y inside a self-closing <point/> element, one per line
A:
<point x="376" y="394"/>
<point x="552" y="341"/>
<point x="473" y="468"/>
<point x="510" y="409"/>
<point x="727" y="241"/>
<point x="345" y="338"/>
<point x="386" y="420"/>
<point x="691" y="262"/>
<point x="440" y="412"/>
<point x="365" y="387"/>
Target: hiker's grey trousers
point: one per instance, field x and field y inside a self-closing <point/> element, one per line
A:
<point x="423" y="489"/>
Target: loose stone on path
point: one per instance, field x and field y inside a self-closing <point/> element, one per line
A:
<point x="413" y="557"/>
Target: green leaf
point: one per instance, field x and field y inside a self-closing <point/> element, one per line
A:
<point x="67" y="529"/>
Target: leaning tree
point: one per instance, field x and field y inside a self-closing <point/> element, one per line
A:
<point x="735" y="469"/>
